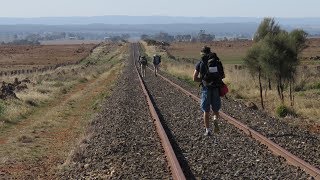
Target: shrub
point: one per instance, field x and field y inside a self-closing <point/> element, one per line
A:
<point x="64" y="91"/>
<point x="316" y="86"/>
<point x="31" y="102"/>
<point x="83" y="80"/>
<point x="283" y="111"/>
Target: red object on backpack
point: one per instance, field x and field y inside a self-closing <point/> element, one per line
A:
<point x="223" y="90"/>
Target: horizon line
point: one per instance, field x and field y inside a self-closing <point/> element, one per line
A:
<point x="80" y="16"/>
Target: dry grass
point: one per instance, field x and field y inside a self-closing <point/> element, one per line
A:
<point x="44" y="137"/>
<point x="312" y="50"/>
<point x="46" y="87"/>
<point x="307" y="102"/>
<point x="230" y="52"/>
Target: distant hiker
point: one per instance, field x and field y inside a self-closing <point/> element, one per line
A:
<point x="139" y="59"/>
<point x="7" y="91"/>
<point x="16" y="82"/>
<point x="156" y="63"/>
<point x="143" y="64"/>
<point x="211" y="74"/>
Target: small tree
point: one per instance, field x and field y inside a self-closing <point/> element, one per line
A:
<point x="278" y="59"/>
<point x="266" y="27"/>
<point x="252" y="62"/>
<point x="275" y="55"/>
<point x="298" y="40"/>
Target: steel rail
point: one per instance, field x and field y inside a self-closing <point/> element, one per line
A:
<point x="275" y="148"/>
<point x="172" y="160"/>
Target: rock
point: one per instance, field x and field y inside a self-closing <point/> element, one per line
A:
<point x="86" y="166"/>
<point x="25" y="139"/>
<point x="251" y="105"/>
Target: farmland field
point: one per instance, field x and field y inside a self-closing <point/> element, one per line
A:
<point x="231" y="52"/>
<point x="69" y="42"/>
<point x="27" y="56"/>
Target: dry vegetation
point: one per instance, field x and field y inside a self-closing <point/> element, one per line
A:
<point x="38" y="130"/>
<point x="180" y="59"/>
<point x="231" y="52"/>
<point x="311" y="55"/>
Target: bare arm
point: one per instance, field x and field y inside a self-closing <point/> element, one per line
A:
<point x="195" y="76"/>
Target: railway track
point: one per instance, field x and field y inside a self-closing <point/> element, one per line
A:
<point x="122" y="142"/>
<point x="239" y="151"/>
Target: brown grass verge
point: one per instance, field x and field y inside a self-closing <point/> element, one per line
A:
<point x="40" y="143"/>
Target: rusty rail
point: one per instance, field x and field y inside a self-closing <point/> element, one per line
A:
<point x="276" y="149"/>
<point x="173" y="163"/>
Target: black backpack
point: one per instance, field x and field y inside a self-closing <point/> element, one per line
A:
<point x="143" y="61"/>
<point x="157" y="59"/>
<point x="211" y="72"/>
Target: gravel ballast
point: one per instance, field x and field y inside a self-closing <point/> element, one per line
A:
<point x="122" y="142"/>
<point x="228" y="155"/>
<point x="299" y="141"/>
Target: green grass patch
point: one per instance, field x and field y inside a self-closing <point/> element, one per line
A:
<point x="231" y="60"/>
<point x="187" y="80"/>
<point x="283" y="111"/>
<point x="316" y="85"/>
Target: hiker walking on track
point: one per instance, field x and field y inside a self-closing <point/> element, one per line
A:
<point x="143" y="65"/>
<point x="211" y="74"/>
<point x="156" y="63"/>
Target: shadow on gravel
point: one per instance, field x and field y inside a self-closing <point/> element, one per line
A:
<point x="183" y="162"/>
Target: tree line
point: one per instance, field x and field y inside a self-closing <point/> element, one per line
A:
<point x="202" y="36"/>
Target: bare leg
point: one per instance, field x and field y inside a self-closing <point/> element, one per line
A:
<point x="206" y="116"/>
<point x="215" y="121"/>
<point x="141" y="70"/>
<point x="216" y="114"/>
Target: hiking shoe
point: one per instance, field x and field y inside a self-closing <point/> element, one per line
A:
<point x="216" y="126"/>
<point x="207" y="133"/>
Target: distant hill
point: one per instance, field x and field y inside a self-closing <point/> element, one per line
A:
<point x="225" y="28"/>
<point x="151" y="20"/>
<point x="137" y="25"/>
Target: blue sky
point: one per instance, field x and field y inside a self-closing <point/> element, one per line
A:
<point x="191" y="8"/>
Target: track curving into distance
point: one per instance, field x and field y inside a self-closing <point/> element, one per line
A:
<point x="121" y="141"/>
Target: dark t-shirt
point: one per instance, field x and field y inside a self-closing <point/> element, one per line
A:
<point x="156" y="60"/>
<point x="198" y="66"/>
<point x="201" y="68"/>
